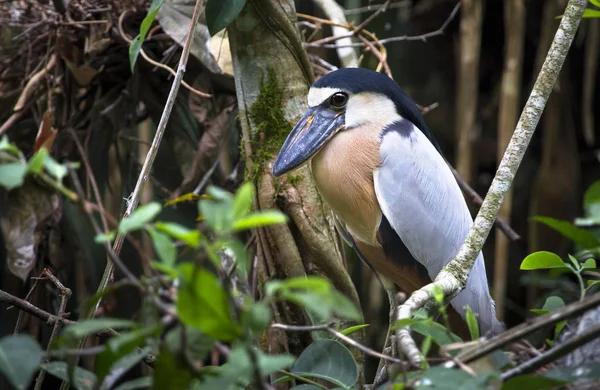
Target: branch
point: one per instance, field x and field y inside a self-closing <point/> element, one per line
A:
<point x="329" y="328"/>
<point x="525" y="329"/>
<point x="554" y="353"/>
<point x="422" y="37"/>
<point x="453" y="277"/>
<point x="335" y="12"/>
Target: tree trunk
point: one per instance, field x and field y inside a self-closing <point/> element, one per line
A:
<point x="272" y="75"/>
<point x="468" y="86"/>
<point x="514" y="31"/>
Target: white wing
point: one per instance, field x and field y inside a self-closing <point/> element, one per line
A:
<point x="423" y="203"/>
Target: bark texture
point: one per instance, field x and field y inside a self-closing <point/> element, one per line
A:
<point x="272" y="76"/>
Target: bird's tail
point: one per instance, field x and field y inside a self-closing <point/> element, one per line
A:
<point x="477" y="296"/>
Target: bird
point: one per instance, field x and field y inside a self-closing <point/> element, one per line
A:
<point x="381" y="171"/>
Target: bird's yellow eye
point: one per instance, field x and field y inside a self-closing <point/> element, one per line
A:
<point x="338" y="100"/>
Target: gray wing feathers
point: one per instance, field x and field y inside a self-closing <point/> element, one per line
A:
<point x="420" y="197"/>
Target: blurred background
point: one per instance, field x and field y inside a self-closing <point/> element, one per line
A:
<point x="474" y="77"/>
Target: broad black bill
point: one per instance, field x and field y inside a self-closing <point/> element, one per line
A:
<point x="307" y="138"/>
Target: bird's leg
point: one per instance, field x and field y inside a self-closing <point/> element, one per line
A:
<point x="389" y="346"/>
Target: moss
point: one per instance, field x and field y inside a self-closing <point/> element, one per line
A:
<point x="293" y="179"/>
<point x="268" y="116"/>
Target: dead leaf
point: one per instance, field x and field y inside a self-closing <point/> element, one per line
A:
<point x="24" y="209"/>
<point x="174" y="17"/>
<point x="46" y="133"/>
<point x="213" y="138"/>
<point x="84" y="74"/>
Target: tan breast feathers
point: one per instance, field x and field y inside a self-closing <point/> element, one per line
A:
<point x="343" y="172"/>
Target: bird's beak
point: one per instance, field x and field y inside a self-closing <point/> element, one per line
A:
<point x="309" y="135"/>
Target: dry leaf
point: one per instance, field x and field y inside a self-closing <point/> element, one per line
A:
<point x="46" y="133"/>
<point x="24" y="209"/>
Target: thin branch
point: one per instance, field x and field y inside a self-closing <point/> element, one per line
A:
<point x="554" y="353"/>
<point x="65" y="294"/>
<point x="329" y="328"/>
<point x="453" y="277"/>
<point x="373" y="7"/>
<point x="422" y="37"/>
<point x="523" y="330"/>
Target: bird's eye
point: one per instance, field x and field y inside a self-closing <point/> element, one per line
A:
<point x="338" y="100"/>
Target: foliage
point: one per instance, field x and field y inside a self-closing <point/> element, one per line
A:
<point x="220" y="13"/>
<point x="136" y="44"/>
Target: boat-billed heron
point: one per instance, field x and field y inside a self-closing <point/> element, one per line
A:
<point x="379" y="168"/>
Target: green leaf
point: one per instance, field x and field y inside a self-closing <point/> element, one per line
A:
<point x="96" y="325"/>
<point x="553" y="303"/>
<point x="438" y="332"/>
<point x="105" y="237"/>
<point x="582" y="372"/>
<point x="542" y="260"/>
<point x="20" y="358"/>
<point x="591" y="13"/>
<point x="140" y="217"/>
<point x="311" y="283"/>
<point x="202" y="303"/>
<point x="136" y="43"/>
<point x="353" y="329"/>
<point x="12" y="175"/>
<point x="220" y="13"/>
<point x="591" y="201"/>
<point x="589" y="264"/>
<point x="472" y="324"/>
<point x="596" y="3"/>
<point x="190" y="236"/>
<point x="257" y="317"/>
<point x="438" y="294"/>
<point x="577" y="235"/>
<point x="258" y="219"/>
<point x="36" y="162"/>
<point x="139" y="383"/>
<point x="217" y="214"/>
<point x="59" y="171"/>
<point x="123" y="365"/>
<point x="119" y="346"/>
<point x="170" y="373"/>
<point x="243" y="200"/>
<point x="328" y="359"/>
<point x="163" y="245"/>
<point x="531" y="382"/>
<point x="84" y="380"/>
<point x="442" y="378"/>
<point x="169" y="270"/>
<point x="5" y="145"/>
<point x="195" y="344"/>
<point x="238" y="250"/>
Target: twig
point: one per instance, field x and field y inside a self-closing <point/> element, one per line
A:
<point x="65" y="294"/>
<point x="329" y="328"/>
<point x="369" y="8"/>
<point x="523" y="330"/>
<point x="335" y="12"/>
<point x="422" y="37"/>
<point x="156" y="63"/>
<point x="453" y="277"/>
<point x="554" y="353"/>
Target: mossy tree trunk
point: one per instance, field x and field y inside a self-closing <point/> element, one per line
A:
<point x="272" y="76"/>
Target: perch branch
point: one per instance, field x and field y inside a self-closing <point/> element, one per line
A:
<point x="453" y="277"/>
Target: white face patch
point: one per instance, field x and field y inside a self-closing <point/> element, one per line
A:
<point x="317" y="96"/>
<point x="370" y="107"/>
